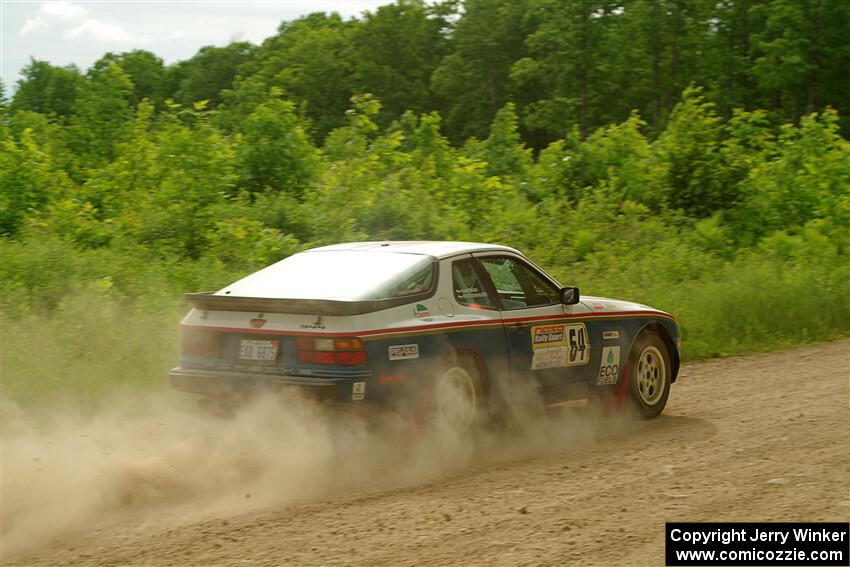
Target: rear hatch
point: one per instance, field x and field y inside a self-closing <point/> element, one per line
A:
<point x="221" y="334"/>
<point x="301" y="315"/>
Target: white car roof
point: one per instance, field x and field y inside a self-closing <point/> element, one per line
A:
<point x="436" y="248"/>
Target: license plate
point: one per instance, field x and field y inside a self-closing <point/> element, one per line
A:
<point x="258" y="350"/>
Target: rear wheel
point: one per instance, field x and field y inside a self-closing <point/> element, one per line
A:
<point x="457" y="402"/>
<point x="649" y="375"/>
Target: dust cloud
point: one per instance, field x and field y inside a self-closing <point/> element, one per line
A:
<point x="68" y="471"/>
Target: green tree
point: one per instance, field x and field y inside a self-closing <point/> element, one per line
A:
<point x="616" y="161"/>
<point x="566" y="64"/>
<point x="48" y="134"/>
<point x="28" y="182"/>
<point x="394" y="51"/>
<point x="473" y="79"/>
<point x="800" y="54"/>
<point x="101" y="113"/>
<point x="4" y="113"/>
<point x="4" y="100"/>
<point x="144" y="69"/>
<point x="211" y="71"/>
<point x="689" y="151"/>
<point x="784" y="59"/>
<point x="592" y="62"/>
<point x="169" y="183"/>
<point x="806" y="179"/>
<point x="308" y="60"/>
<point x="275" y="153"/>
<point x="47" y="89"/>
<point x="654" y="49"/>
<point x="503" y="149"/>
<point x="431" y="151"/>
<point x="728" y="76"/>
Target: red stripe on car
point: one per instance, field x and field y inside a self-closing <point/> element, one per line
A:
<point x="437" y="326"/>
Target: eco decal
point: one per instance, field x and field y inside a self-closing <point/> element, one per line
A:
<point x="358" y="391"/>
<point x="403" y="352"/>
<point x="557" y="346"/>
<point x="609" y="367"/>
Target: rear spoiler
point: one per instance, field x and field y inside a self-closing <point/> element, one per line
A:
<point x="211" y="302"/>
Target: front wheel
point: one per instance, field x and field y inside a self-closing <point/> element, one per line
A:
<point x="649" y="375"/>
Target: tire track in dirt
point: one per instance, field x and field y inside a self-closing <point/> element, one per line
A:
<point x="757" y="438"/>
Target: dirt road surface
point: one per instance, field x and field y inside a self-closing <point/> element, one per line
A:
<point x="757" y="438"/>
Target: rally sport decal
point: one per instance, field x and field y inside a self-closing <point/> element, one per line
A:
<point x="556" y="346"/>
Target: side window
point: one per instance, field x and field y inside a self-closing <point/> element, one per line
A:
<point x="468" y="288"/>
<point x="417" y="281"/>
<point x="518" y="285"/>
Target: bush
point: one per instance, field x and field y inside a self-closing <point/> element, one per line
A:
<point x="738" y="230"/>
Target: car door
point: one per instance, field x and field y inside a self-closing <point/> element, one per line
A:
<point x="548" y="342"/>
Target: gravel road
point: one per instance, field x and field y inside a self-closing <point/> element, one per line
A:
<point x="756" y="438"/>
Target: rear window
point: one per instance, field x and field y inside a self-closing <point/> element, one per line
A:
<point x="340" y="275"/>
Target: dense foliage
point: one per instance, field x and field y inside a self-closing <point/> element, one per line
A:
<point x="584" y="63"/>
<point x="565" y="129"/>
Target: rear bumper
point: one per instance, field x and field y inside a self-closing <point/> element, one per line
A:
<point x="223" y="383"/>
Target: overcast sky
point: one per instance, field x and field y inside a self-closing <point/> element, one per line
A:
<point x="80" y="32"/>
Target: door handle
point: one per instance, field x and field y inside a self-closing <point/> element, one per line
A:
<point x="518" y="326"/>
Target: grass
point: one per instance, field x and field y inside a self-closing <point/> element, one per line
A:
<point x="87" y="347"/>
<point x="121" y="332"/>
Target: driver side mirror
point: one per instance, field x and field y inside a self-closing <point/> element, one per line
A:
<point x="569" y="295"/>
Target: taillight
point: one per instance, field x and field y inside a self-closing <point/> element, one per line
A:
<point x="347" y="351"/>
<point x="201" y="344"/>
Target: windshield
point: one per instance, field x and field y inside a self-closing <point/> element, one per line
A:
<point x="345" y="275"/>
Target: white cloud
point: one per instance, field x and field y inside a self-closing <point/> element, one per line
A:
<point x="173" y="29"/>
<point x="99" y="31"/>
<point x="33" y="25"/>
<point x="63" y="9"/>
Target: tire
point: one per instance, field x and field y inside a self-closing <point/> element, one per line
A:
<point x="457" y="402"/>
<point x="649" y="375"/>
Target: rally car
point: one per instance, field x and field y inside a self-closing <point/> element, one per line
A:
<point x="447" y="329"/>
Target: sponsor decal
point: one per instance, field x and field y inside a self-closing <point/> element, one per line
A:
<point x="547" y="336"/>
<point x="610" y="335"/>
<point x="403" y="352"/>
<point x="316" y="325"/>
<point x="421" y="312"/>
<point x="609" y="367"/>
<point x="358" y="391"/>
<point x="550" y="357"/>
<point x="556" y="346"/>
